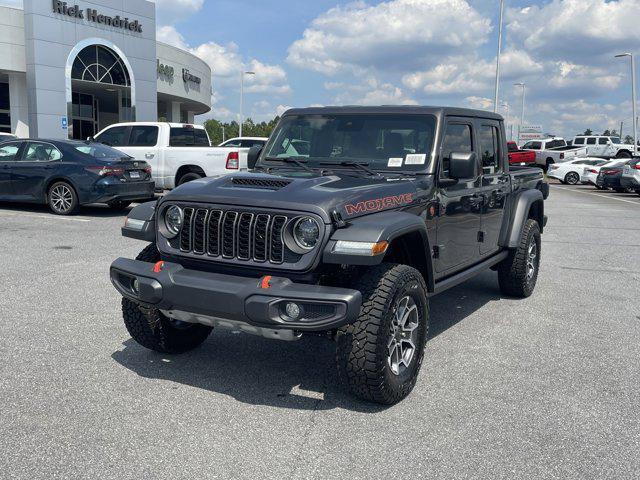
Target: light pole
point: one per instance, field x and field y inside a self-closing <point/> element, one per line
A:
<point x="495" y="102"/>
<point x="633" y="99"/>
<point x="242" y="74"/>
<point x="521" y="84"/>
<point x="505" y="105"/>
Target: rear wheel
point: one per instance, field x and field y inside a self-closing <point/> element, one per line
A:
<point x="572" y="178"/>
<point x="380" y="354"/>
<point x="153" y="330"/>
<point x="623" y="154"/>
<point x="62" y="198"/>
<point x="518" y="273"/>
<point x="188" y="177"/>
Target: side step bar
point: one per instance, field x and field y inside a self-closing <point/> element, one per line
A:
<point x="453" y="280"/>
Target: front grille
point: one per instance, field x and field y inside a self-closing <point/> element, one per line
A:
<point x="232" y="234"/>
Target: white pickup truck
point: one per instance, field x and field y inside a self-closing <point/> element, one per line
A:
<point x="553" y="150"/>
<point x="177" y="153"/>
<point x="604" y="146"/>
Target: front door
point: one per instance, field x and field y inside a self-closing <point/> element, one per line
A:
<point x="37" y="164"/>
<point x="9" y="154"/>
<point x="495" y="185"/>
<point x="458" y="223"/>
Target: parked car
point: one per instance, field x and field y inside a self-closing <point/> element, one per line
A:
<point x="590" y="173"/>
<point x="631" y="175"/>
<point x="520" y="157"/>
<point x="7" y="136"/>
<point x="570" y="172"/>
<point x="391" y="206"/>
<point x="605" y="147"/>
<point x="611" y="176"/>
<point x="67" y="173"/>
<point x="245" y="142"/>
<point x="178" y="153"/>
<point x="553" y="150"/>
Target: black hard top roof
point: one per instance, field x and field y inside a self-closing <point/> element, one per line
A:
<point x="394" y="109"/>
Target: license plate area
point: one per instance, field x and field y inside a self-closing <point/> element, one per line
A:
<point x="134" y="175"/>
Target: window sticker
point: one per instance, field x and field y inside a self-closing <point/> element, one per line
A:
<point x="415" y="159"/>
<point x="395" y="162"/>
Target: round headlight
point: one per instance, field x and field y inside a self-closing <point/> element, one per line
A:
<point x="306" y="232"/>
<point x="173" y="218"/>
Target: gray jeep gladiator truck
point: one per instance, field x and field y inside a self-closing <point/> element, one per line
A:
<point x="349" y="220"/>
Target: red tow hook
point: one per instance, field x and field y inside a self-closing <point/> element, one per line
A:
<point x="157" y="268"/>
<point x="265" y="283"/>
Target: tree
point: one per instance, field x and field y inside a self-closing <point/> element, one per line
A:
<point x="588" y="131"/>
<point x="606" y="133"/>
<point x="628" y="139"/>
<point x="250" y="129"/>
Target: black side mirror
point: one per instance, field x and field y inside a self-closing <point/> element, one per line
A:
<point x="463" y="165"/>
<point x="253" y="155"/>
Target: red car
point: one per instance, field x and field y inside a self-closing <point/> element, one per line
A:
<point x="520" y="157"/>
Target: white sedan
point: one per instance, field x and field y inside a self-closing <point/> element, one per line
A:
<point x="590" y="173"/>
<point x="570" y="172"/>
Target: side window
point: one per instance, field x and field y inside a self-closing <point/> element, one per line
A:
<point x="41" y="152"/>
<point x="114" y="137"/>
<point x="181" y="137"/>
<point x="201" y="138"/>
<point x="8" y="152"/>
<point x="489" y="149"/>
<point x="231" y="143"/>
<point x="603" y="141"/>
<point x="457" y="138"/>
<point x="578" y="141"/>
<point x="143" y="136"/>
<point x="591" y="141"/>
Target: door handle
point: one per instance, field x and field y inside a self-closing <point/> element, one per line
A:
<point x="149" y="156"/>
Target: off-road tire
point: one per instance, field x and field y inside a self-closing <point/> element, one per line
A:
<point x="151" y="329"/>
<point x="188" y="177"/>
<point x="624" y="154"/>
<point x="513" y="275"/>
<point x="362" y="347"/>
<point x="62" y="198"/>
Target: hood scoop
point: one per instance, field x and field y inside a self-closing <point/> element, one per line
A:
<point x="260" y="183"/>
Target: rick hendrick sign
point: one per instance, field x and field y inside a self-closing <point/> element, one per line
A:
<point x="93" y="15"/>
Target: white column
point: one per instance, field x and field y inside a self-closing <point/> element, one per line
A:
<point x="190" y="116"/>
<point x="18" y="104"/>
<point x="174" y="113"/>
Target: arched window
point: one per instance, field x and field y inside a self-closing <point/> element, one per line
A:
<point x="97" y="63"/>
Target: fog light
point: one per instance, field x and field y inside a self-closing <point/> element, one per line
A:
<point x="135" y="286"/>
<point x="292" y="310"/>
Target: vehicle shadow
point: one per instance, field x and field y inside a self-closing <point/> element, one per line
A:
<point x="299" y="375"/>
<point x="92" y="210"/>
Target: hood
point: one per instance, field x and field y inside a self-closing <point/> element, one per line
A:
<point x="348" y="194"/>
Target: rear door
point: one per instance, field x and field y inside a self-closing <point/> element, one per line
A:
<point x="458" y="225"/>
<point x="142" y="144"/>
<point x="9" y="153"/>
<point x="495" y="185"/>
<point x="592" y="145"/>
<point x="29" y="174"/>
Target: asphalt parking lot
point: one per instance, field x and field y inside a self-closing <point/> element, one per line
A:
<point x="546" y="387"/>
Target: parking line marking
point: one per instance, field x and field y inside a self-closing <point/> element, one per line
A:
<point x="596" y="194"/>
<point x="48" y="217"/>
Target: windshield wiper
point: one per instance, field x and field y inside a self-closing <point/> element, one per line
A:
<point x="293" y="160"/>
<point x="349" y="163"/>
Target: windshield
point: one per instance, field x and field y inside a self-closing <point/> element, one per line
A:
<point x="99" y="151"/>
<point x="381" y="142"/>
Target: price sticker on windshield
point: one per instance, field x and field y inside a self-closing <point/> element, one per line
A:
<point x="395" y="162"/>
<point x="415" y="159"/>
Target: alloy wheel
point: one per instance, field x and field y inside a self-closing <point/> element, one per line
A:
<point x="403" y="335"/>
<point x="61" y="198"/>
<point x="572" y="178"/>
<point x="532" y="256"/>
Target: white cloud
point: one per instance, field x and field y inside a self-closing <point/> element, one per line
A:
<point x="369" y="92"/>
<point x="397" y="34"/>
<point x="168" y="34"/>
<point x="172" y="11"/>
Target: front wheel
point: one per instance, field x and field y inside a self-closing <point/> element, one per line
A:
<point x="380" y="354"/>
<point x="518" y="273"/>
<point x="153" y="330"/>
<point x="62" y="199"/>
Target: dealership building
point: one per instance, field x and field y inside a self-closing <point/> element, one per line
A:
<point x="70" y="68"/>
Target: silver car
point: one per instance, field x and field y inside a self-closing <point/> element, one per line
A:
<point x="631" y="175"/>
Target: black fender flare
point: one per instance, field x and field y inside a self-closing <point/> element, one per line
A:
<point x="140" y="224"/>
<point x="519" y="212"/>
<point x="385" y="226"/>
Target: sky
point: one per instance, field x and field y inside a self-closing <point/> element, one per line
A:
<point x="427" y="52"/>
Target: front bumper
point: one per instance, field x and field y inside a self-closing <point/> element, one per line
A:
<point x="104" y="193"/>
<point x="257" y="302"/>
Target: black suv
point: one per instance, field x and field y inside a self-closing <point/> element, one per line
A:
<point x="351" y="218"/>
